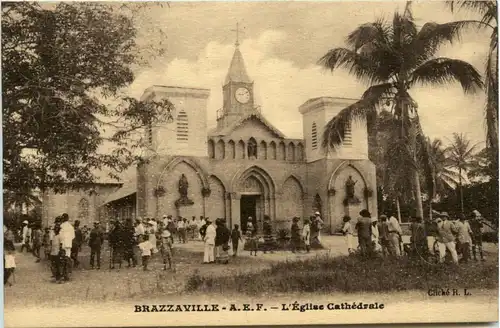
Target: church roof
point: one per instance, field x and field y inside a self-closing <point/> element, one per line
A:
<point x="237" y="71"/>
<point x="233" y="126"/>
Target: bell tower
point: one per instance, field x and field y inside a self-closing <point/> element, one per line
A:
<point x="238" y="93"/>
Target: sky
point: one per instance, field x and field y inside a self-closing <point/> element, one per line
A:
<point x="281" y="43"/>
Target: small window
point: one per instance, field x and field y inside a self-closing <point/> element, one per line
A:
<point x="83" y="209"/>
<point x="348" y="136"/>
<point x="150" y="134"/>
<point x="182" y="127"/>
<point x="314" y="136"/>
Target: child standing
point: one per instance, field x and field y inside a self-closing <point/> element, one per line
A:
<point x="9" y="263"/>
<point x="347" y="231"/>
<point x="252" y="239"/>
<point x="146" y="247"/>
<point x="235" y="238"/>
<point x="166" y="248"/>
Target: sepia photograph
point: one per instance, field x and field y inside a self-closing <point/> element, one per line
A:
<point x="249" y="163"/>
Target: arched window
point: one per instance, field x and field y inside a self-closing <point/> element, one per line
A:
<point x="182" y="127"/>
<point x="314" y="136"/>
<point x="83" y="209"/>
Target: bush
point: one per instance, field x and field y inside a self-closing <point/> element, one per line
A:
<point x="349" y="274"/>
<point x="490" y="237"/>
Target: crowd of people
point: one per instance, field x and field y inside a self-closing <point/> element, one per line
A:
<point x="134" y="241"/>
<point x="454" y="237"/>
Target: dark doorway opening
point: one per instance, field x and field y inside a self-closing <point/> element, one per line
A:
<point x="248" y="208"/>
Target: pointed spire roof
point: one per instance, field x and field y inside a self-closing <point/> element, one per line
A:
<point x="237" y="70"/>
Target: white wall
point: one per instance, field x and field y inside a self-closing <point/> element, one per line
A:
<point x="194" y="103"/>
<point x="321" y="111"/>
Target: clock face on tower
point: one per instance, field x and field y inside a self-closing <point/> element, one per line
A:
<point x="242" y="95"/>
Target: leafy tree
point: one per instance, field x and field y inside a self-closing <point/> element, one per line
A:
<point x="392" y="58"/>
<point x="461" y="157"/>
<point x="488" y="11"/>
<point x="58" y="64"/>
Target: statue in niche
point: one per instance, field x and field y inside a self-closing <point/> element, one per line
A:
<point x="183" y="186"/>
<point x="252" y="149"/>
<point x="183" y="192"/>
<point x="350" y="192"/>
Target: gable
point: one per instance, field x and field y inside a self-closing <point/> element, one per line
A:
<point x="252" y="127"/>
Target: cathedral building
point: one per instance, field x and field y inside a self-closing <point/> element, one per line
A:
<point x="244" y="167"/>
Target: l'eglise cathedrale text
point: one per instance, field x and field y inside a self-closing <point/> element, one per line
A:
<point x="296" y="306"/>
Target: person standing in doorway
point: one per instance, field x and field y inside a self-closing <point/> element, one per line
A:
<point x="209" y="252"/>
<point x="96" y="240"/>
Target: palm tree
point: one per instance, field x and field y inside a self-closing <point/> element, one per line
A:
<point x="392" y="58"/>
<point x="461" y="157"/>
<point x="445" y="178"/>
<point x="487" y="9"/>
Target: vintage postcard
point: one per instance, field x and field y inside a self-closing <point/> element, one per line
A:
<point x="249" y="163"/>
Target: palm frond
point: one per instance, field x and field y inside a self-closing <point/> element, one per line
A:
<point x="377" y="32"/>
<point x="366" y="107"/>
<point x="480" y="7"/>
<point x="433" y="35"/>
<point x="440" y="71"/>
<point x="363" y="66"/>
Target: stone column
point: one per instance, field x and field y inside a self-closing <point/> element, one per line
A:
<point x="235" y="208"/>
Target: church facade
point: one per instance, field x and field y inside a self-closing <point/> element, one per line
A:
<point x="245" y="167"/>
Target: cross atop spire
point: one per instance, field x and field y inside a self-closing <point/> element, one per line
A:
<point x="237" y="34"/>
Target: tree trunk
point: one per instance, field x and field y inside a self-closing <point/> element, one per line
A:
<point x="399" y="209"/>
<point x="461" y="191"/>
<point x="418" y="194"/>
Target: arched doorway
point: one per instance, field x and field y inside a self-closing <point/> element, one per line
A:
<point x="256" y="191"/>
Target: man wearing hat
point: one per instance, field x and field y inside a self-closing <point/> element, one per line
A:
<point x="446" y="238"/>
<point x="26" y="234"/>
<point x="316" y="226"/>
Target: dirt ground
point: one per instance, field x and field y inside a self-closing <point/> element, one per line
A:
<point x="32" y="284"/>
